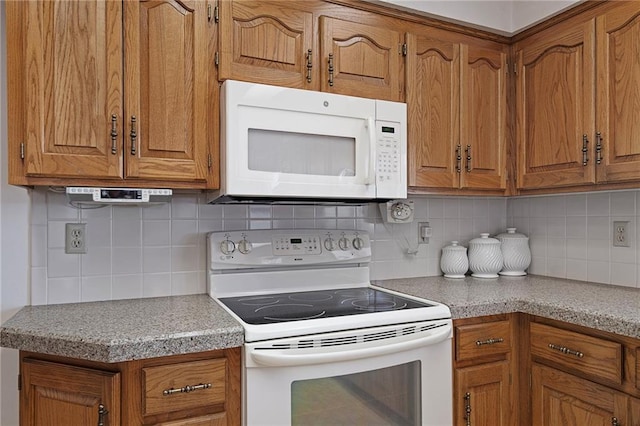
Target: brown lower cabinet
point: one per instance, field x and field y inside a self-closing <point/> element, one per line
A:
<point x="484" y="377"/>
<point x="201" y="389"/>
<point x="520" y="369"/>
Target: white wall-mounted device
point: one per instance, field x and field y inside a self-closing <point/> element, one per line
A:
<point x="397" y="211"/>
<point x="118" y="195"/>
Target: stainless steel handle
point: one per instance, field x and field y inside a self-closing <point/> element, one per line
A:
<point x="133" y="135"/>
<point x="468" y="151"/>
<point x="331" y="69"/>
<point x="565" y="350"/>
<point x="467" y="408"/>
<point x="458" y="158"/>
<point x="102" y="412"/>
<point x="309" y="66"/>
<point x="585" y="142"/>
<point x="491" y="341"/>
<point x="114" y="134"/>
<point x="186" y="389"/>
<point x="614" y="421"/>
<point x="598" y="147"/>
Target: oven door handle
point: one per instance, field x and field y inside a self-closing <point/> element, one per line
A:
<point x="291" y="357"/>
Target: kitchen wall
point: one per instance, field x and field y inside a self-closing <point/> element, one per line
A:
<point x="160" y="250"/>
<point x="571" y="236"/>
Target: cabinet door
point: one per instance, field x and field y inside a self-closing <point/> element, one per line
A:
<point x="433" y="100"/>
<point x="166" y="65"/>
<point x="555" y="107"/>
<point x="618" y="106"/>
<point x="267" y="42"/>
<point x="65" y="73"/>
<point x="483" y="114"/>
<point x="360" y="60"/>
<point x="483" y="395"/>
<point x="559" y="398"/>
<point x="57" y="394"/>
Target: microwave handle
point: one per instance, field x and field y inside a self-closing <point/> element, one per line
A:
<point x="370" y="172"/>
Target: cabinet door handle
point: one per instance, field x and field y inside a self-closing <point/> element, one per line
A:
<point x="133" y="135"/>
<point x="467" y="408"/>
<point x="491" y="341"/>
<point x="458" y="158"/>
<point x="309" y="66"/>
<point x="614" y="421"/>
<point x="598" y="148"/>
<point x="102" y="412"/>
<point x="565" y="350"/>
<point x="186" y="389"/>
<point x="331" y="69"/>
<point x="114" y="134"/>
<point x="585" y="142"/>
<point x="468" y="151"/>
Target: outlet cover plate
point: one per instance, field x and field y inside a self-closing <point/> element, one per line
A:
<point x="75" y="241"/>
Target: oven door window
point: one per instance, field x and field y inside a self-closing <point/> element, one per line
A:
<point x="387" y="396"/>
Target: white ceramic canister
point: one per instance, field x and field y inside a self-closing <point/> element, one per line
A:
<point x="516" y="254"/>
<point x="485" y="257"/>
<point x="454" y="262"/>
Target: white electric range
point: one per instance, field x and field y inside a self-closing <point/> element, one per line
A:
<point x="314" y="325"/>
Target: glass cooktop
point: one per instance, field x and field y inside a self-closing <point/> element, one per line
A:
<point x="300" y="306"/>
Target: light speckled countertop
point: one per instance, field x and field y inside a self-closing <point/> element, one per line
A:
<point x="123" y="330"/>
<point x="603" y="307"/>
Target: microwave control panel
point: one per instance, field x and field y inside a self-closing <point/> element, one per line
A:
<point x="390" y="152"/>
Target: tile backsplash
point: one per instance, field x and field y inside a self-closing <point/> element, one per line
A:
<point x="571" y="236"/>
<point x="160" y="250"/>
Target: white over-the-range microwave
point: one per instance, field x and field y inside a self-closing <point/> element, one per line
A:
<point x="284" y="144"/>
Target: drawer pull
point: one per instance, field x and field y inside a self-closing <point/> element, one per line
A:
<point x="186" y="389"/>
<point x="491" y="341"/>
<point x="565" y="350"/>
<point x="614" y="421"/>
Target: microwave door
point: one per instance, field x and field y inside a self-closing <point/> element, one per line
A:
<point x="301" y="154"/>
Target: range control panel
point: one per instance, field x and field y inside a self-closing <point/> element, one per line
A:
<point x="280" y="248"/>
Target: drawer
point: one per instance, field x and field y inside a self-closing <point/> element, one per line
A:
<point x="479" y="340"/>
<point x="590" y="355"/>
<point x="184" y="386"/>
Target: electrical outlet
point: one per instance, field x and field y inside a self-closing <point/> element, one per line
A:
<point x="75" y="238"/>
<point x="424" y="232"/>
<point x="620" y="237"/>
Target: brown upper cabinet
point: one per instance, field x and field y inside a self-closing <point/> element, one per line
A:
<point x="294" y="44"/>
<point x="361" y="60"/>
<point x="577" y="96"/>
<point x="457" y="106"/>
<point x="267" y="42"/>
<point x="109" y="92"/>
<point x="617" y="139"/>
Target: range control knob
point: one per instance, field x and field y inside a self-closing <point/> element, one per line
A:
<point x="330" y="244"/>
<point x="245" y="246"/>
<point x="358" y="243"/>
<point x="344" y="243"/>
<point x="227" y="247"/>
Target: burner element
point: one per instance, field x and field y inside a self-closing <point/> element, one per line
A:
<point x="311" y="296"/>
<point x="259" y="300"/>
<point x="289" y="312"/>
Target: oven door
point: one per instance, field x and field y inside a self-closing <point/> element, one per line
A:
<point x="391" y="375"/>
